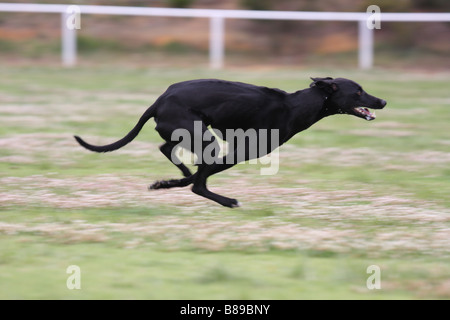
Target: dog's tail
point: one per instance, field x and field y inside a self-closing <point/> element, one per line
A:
<point x="149" y="113"/>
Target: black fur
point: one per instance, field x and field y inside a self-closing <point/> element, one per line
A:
<point x="234" y="105"/>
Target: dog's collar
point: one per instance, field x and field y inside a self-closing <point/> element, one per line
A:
<point x="324" y="106"/>
<point x="329" y="95"/>
<point x="326" y="98"/>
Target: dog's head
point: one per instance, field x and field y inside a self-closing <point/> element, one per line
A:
<point x="345" y="96"/>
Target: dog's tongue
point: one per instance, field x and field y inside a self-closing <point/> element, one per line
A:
<point x="369" y="115"/>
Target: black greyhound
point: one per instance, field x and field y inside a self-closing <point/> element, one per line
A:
<point x="224" y="105"/>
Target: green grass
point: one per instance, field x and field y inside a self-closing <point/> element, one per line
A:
<point x="348" y="194"/>
<point x="111" y="273"/>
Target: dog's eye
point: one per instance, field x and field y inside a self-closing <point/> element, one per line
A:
<point x="359" y="92"/>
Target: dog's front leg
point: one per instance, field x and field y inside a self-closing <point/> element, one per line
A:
<point x="199" y="187"/>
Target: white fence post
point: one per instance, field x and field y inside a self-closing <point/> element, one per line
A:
<point x="68" y="42"/>
<point x="365" y="53"/>
<point x="216" y="42"/>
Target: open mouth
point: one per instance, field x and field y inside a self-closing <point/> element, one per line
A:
<point x="364" y="113"/>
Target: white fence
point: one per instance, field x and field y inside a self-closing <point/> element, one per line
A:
<point x="217" y="24"/>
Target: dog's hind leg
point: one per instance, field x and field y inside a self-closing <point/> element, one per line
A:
<point x="173" y="183"/>
<point x="167" y="150"/>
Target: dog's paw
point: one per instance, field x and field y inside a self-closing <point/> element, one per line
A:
<point x="237" y="204"/>
<point x="234" y="203"/>
<point x="156" y="185"/>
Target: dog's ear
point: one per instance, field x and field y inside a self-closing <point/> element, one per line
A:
<point x="327" y="84"/>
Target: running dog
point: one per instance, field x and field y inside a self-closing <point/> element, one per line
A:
<point x="223" y="105"/>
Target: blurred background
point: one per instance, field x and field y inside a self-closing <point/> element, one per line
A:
<point x="184" y="41"/>
<point x="349" y="193"/>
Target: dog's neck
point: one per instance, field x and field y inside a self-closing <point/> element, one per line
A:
<point x="307" y="107"/>
<point x="326" y="109"/>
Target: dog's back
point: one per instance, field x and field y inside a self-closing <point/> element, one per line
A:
<point x="223" y="104"/>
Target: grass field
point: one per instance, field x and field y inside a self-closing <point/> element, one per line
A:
<point x="349" y="194"/>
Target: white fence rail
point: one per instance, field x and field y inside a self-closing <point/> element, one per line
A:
<point x="217" y="24"/>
